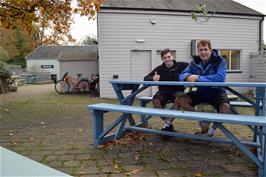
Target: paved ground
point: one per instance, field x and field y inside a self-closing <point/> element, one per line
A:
<point x="56" y="130"/>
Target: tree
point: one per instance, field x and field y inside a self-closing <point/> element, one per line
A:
<point x="3" y="55"/>
<point x="47" y="21"/>
<point x="89" y="40"/>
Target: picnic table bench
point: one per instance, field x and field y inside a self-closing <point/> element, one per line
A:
<point x="257" y="122"/>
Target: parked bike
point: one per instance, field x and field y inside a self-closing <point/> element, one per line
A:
<point x="68" y="83"/>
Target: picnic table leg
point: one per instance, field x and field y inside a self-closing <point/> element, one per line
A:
<point x="262" y="172"/>
<point x="259" y="109"/>
<point x="143" y="118"/>
<point x="97" y="125"/>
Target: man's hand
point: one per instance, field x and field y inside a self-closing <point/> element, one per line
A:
<point x="193" y="78"/>
<point x="156" y="77"/>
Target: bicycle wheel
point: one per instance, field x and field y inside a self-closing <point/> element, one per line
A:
<point x="61" y="86"/>
<point x="84" y="86"/>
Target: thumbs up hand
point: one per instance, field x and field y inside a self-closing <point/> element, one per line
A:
<point x="156" y="77"/>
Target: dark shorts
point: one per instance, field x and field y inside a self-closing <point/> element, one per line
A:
<point x="215" y="99"/>
<point x="166" y="96"/>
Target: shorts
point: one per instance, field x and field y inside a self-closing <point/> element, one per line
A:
<point x="215" y="98"/>
<point x="167" y="96"/>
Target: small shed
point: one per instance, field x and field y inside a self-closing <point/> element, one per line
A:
<point x="60" y="59"/>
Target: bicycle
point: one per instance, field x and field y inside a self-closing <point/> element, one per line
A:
<point x="80" y="85"/>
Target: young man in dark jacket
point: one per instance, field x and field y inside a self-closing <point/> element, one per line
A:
<point x="207" y="67"/>
<point x="169" y="70"/>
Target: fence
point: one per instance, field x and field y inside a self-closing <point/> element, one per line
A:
<point x="257" y="67"/>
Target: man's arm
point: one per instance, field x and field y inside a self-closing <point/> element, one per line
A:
<point x="218" y="77"/>
<point x="186" y="73"/>
<point x="149" y="77"/>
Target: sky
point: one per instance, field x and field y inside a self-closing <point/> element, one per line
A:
<point x="83" y="26"/>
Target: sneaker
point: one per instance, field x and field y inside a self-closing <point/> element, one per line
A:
<point x="209" y="132"/>
<point x="169" y="128"/>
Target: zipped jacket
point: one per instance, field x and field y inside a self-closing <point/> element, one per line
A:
<point x="168" y="74"/>
<point x="214" y="71"/>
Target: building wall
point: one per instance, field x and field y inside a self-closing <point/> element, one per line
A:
<point x="86" y="68"/>
<point x="36" y="65"/>
<point x="121" y="32"/>
<point x="258" y="67"/>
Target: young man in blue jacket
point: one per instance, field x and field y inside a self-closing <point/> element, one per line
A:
<point x="208" y="66"/>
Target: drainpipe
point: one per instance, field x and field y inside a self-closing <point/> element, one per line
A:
<point x="260" y="33"/>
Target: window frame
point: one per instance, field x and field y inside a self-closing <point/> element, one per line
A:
<point x="229" y="70"/>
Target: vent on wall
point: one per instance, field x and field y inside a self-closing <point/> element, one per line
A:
<point x="194" y="51"/>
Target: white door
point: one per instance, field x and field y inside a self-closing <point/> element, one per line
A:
<point x="140" y="67"/>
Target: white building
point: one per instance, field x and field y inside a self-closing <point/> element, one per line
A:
<point x="132" y="33"/>
<point x="61" y="59"/>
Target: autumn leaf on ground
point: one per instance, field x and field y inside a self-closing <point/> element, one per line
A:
<point x="198" y="174"/>
<point x="132" y="172"/>
<point x="136" y="157"/>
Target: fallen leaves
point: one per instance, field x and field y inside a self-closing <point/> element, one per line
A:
<point x="129" y="138"/>
<point x="132" y="172"/>
<point x="198" y="174"/>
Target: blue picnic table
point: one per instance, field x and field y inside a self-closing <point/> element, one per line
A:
<point x="256" y="122"/>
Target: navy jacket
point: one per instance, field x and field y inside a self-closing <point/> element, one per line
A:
<point x="168" y="74"/>
<point x="214" y="71"/>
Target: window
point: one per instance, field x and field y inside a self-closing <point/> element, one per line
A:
<point x="232" y="58"/>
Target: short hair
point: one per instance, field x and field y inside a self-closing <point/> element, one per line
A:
<point x="165" y="51"/>
<point x="204" y="42"/>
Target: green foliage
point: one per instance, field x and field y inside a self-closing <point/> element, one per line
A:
<point x="3" y="54"/>
<point x="18" y="60"/>
<point x="23" y="47"/>
<point x="89" y="40"/>
<point x="201" y="14"/>
<point x="4" y="73"/>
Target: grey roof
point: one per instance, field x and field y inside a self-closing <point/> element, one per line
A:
<point x="65" y="52"/>
<point x="218" y="6"/>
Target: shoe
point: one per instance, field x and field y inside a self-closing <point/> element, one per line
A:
<point x="209" y="132"/>
<point x="169" y="128"/>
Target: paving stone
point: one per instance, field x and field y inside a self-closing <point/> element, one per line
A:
<point x="197" y="164"/>
<point x="33" y="153"/>
<point x="88" y="170"/>
<point x="82" y="157"/>
<point x="105" y="162"/>
<point x="249" y="173"/>
<point x="88" y="163"/>
<point x="72" y="163"/>
<point x="53" y="164"/>
<point x="145" y="174"/>
<point x="67" y="157"/>
<point x="110" y="156"/>
<point x="193" y="172"/>
<point x="219" y="162"/>
<point x="214" y="170"/>
<point x="133" y="168"/>
<point x="159" y="165"/>
<point x="233" y="175"/>
<point x="235" y="167"/>
<point x="50" y="158"/>
<point x="171" y="172"/>
<point x="37" y="158"/>
<point x="108" y="169"/>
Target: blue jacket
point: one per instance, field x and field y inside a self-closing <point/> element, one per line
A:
<point x="214" y="71"/>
